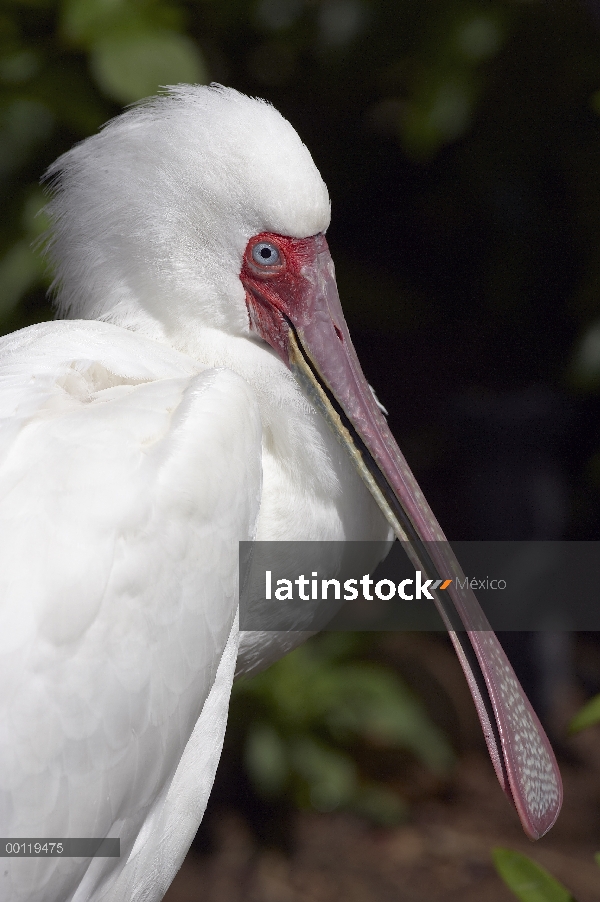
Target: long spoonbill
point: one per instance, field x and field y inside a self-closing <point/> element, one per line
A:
<point x="200" y="389"/>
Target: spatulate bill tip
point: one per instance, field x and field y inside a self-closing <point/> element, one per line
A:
<point x="519" y="749"/>
<point x="538" y="818"/>
<point x="533" y="774"/>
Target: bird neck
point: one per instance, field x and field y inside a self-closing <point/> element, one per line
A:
<point x="311" y="490"/>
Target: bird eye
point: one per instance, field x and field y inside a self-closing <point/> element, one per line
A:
<point x="266" y="254"/>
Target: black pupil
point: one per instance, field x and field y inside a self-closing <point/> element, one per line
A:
<point x="266" y="252"/>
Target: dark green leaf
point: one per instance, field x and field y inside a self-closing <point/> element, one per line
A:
<point x="529" y="881"/>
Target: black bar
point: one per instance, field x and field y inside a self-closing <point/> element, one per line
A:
<point x="87" y="847"/>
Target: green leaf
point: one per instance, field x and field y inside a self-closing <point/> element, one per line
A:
<point x="133" y="65"/>
<point x="529" y="881"/>
<point x="586" y="716"/>
<point x="597" y="858"/>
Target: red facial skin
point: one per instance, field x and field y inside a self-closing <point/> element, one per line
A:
<point x="276" y="292"/>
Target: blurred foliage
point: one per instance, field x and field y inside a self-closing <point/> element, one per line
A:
<point x="586" y="716"/>
<point x="528" y="880"/>
<point x="64" y="67"/>
<point x="305" y="721"/>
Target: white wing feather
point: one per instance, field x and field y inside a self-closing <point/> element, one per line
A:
<point x="127" y="478"/>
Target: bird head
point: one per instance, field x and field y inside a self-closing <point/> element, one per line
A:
<point x="152" y="215"/>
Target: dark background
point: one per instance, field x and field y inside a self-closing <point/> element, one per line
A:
<point x="461" y="145"/>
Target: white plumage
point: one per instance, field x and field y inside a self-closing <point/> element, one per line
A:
<point x="205" y="391"/>
<point x="134" y="454"/>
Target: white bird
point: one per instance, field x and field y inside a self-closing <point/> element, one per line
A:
<point x="202" y="390"/>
